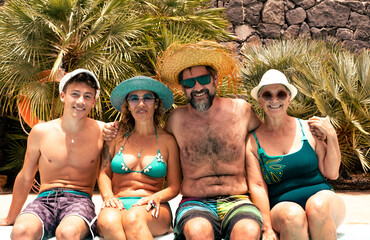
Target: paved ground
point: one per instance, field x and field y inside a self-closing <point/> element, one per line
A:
<point x="356" y="225"/>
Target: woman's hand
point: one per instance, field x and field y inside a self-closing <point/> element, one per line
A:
<point x="269" y="235"/>
<point x="321" y="127"/>
<point x="153" y="202"/>
<point x="113" y="203"/>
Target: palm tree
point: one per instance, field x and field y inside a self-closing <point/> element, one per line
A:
<point x="62" y="35"/>
<point x="331" y="82"/>
<point x="115" y="39"/>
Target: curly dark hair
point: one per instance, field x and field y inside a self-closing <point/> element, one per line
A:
<point x="127" y="123"/>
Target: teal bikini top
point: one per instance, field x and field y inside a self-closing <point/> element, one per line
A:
<point x="157" y="168"/>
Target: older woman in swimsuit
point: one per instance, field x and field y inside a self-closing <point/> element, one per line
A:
<point x="136" y="164"/>
<point x="295" y="165"/>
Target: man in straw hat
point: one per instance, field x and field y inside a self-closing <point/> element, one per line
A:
<point x="211" y="133"/>
<point x="66" y="152"/>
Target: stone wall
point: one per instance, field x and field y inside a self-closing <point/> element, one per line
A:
<point x="259" y="21"/>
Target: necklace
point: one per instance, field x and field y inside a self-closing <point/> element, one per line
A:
<point x="138" y="150"/>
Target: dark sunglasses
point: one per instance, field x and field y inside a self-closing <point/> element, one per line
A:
<point x="135" y="99"/>
<point x="202" y="80"/>
<point x="281" y="95"/>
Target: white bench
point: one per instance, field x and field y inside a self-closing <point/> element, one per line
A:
<point x="6" y="230"/>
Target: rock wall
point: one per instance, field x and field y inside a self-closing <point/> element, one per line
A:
<point x="259" y="21"/>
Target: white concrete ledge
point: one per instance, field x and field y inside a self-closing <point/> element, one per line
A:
<point x="5" y="201"/>
<point x="356" y="225"/>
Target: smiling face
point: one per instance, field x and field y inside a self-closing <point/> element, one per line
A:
<point x="274" y="98"/>
<point x="142" y="104"/>
<point x="199" y="96"/>
<point x="78" y="98"/>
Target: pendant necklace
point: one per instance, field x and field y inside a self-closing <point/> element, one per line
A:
<point x="138" y="150"/>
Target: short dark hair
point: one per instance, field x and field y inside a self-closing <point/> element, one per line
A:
<point x="83" y="78"/>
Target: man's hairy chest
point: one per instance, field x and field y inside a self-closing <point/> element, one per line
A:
<point x="211" y="143"/>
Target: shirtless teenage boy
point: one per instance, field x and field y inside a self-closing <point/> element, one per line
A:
<point x="66" y="152"/>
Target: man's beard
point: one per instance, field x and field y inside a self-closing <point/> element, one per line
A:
<point x="201" y="105"/>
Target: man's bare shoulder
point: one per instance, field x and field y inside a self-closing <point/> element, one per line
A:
<point x="174" y="117"/>
<point x="100" y="123"/>
<point x="178" y="111"/>
<point x="238" y="104"/>
<point x="165" y="135"/>
<point x="46" y="126"/>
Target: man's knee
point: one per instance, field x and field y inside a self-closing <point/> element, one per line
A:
<point x="67" y="232"/>
<point x="21" y="231"/>
<point x="246" y="229"/>
<point x="27" y="227"/>
<point x="198" y="228"/>
<point x="72" y="227"/>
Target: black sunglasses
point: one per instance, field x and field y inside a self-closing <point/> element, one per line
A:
<point x="135" y="99"/>
<point x="281" y="95"/>
<point x="202" y="80"/>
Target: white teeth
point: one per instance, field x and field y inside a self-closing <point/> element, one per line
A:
<point x="274" y="107"/>
<point x="79" y="109"/>
<point x="199" y="94"/>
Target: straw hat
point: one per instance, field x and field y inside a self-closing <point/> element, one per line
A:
<point x="70" y="75"/>
<point x="274" y="76"/>
<point x="179" y="57"/>
<point x="120" y="92"/>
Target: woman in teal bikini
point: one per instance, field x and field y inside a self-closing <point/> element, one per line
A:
<point x="295" y="165"/>
<point x="136" y="164"/>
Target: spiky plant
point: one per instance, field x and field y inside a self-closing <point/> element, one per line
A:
<point x="332" y="82"/>
<point x="341" y="90"/>
<point x="116" y="39"/>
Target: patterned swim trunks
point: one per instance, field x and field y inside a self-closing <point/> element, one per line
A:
<point x="222" y="212"/>
<point x="52" y="206"/>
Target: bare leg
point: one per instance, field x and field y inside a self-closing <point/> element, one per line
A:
<point x="140" y="224"/>
<point x="325" y="212"/>
<point x="72" y="227"/>
<point x="198" y="228"/>
<point x="110" y="224"/>
<point x="290" y="221"/>
<point x="246" y="229"/>
<point x="27" y="226"/>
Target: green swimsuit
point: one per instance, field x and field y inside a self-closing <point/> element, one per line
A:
<point x="293" y="177"/>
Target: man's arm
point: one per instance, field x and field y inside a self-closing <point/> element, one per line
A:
<point x="254" y="121"/>
<point x="110" y="131"/>
<point x="25" y="177"/>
